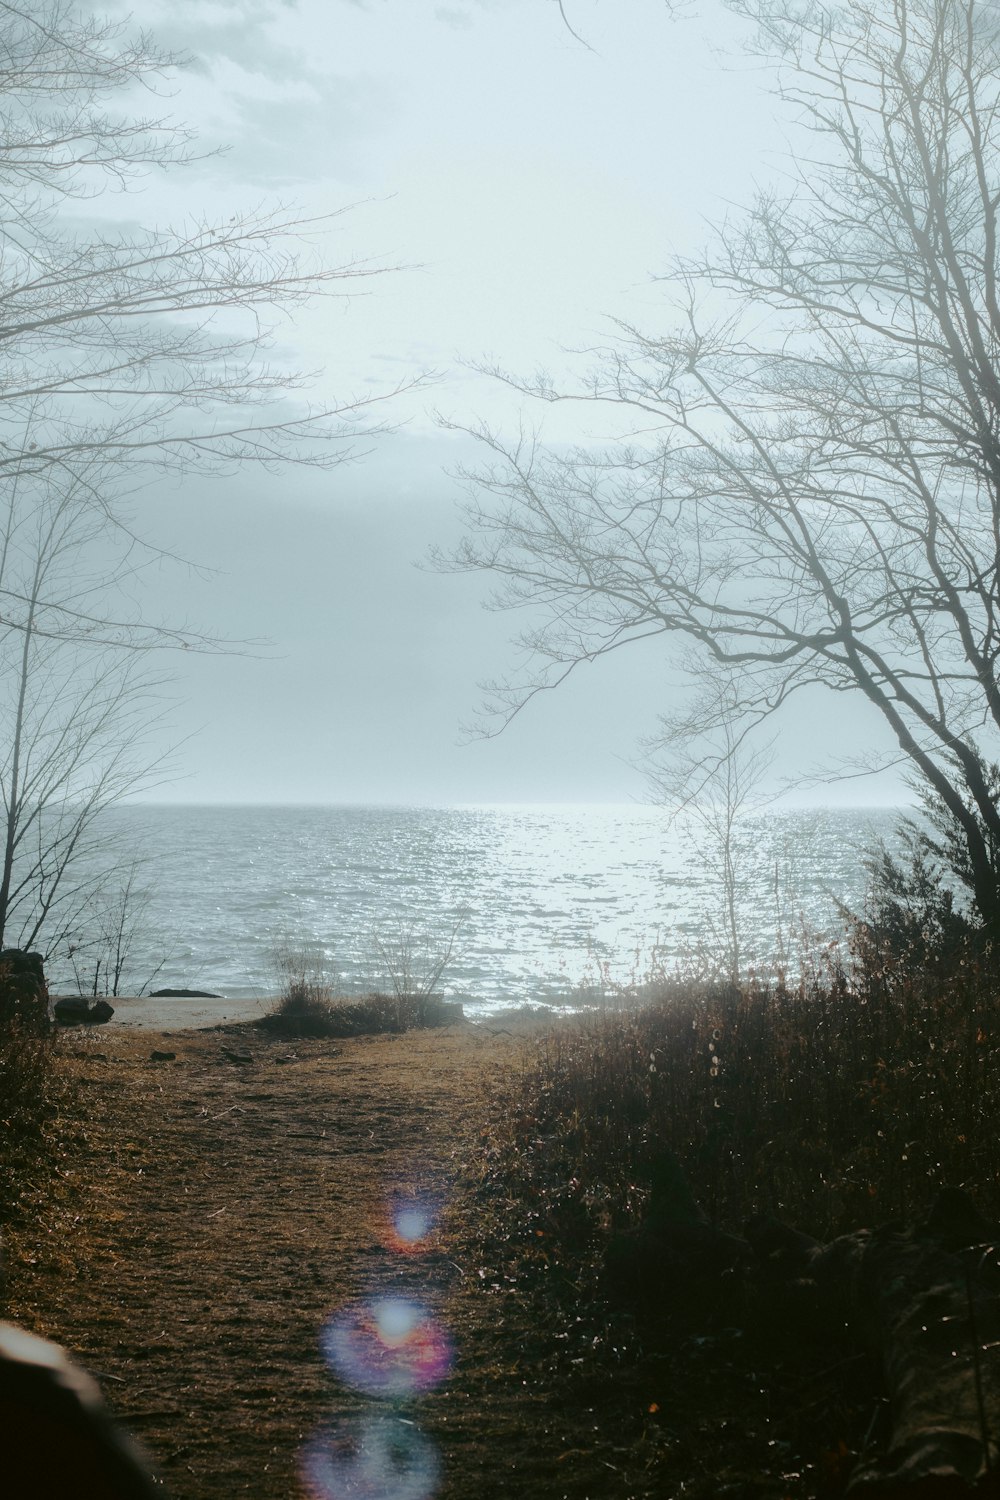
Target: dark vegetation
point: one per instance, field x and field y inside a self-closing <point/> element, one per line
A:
<point x="28" y="1086"/>
<point x="824" y="1101"/>
<point x="309" y="1008"/>
<point x="29" y="1082"/>
<point x="924" y="910"/>
<point x="845" y="1099"/>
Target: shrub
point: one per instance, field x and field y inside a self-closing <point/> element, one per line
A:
<point x="305" y="1009"/>
<point x="27" y="1079"/>
<point x="309" y="1010"/>
<point x="24" y="996"/>
<point x="921" y="907"/>
<point x="28" y="1084"/>
<point x="833" y="1103"/>
<point x="25" y="1068"/>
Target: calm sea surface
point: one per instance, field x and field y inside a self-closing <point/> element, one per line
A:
<point x="532" y="901"/>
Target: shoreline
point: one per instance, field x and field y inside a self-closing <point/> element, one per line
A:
<point x="181" y="1013"/>
<point x="166" y="1014"/>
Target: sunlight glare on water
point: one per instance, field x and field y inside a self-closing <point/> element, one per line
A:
<point x="533" y="900"/>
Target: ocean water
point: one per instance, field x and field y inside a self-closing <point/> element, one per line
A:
<point x="515" y="903"/>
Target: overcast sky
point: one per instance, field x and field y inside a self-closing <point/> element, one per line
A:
<point x="527" y="187"/>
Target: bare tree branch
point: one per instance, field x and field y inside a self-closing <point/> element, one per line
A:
<point x="122" y="352"/>
<point x="574" y="34"/>
<point x="811" y="496"/>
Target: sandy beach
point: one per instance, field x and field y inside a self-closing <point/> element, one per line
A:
<point x="183" y="1013"/>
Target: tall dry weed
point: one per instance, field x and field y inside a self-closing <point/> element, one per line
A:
<point x="837" y="1101"/>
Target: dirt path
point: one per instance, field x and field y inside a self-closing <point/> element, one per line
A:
<point x="215" y="1211"/>
<point x="210" y="1214"/>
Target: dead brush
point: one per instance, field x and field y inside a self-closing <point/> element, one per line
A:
<point x="25" y="1068"/>
<point x="303" y="1010"/>
<point x="840" y="1100"/>
<point x="309" y="1009"/>
<point x="30" y="1080"/>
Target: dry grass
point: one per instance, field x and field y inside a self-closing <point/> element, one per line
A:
<point x="309" y="1009"/>
<point x="828" y="1104"/>
<point x="832" y="1104"/>
<point x="208" y="1215"/>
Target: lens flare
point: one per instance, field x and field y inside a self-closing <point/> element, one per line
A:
<point x="409" y="1222"/>
<point x="387" y="1347"/>
<point x="414" y="1222"/>
<point x="381" y="1458"/>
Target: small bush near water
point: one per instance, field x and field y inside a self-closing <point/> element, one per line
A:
<point x="309" y="1009"/>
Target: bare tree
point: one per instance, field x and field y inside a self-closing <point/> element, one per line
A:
<point x="78" y="699"/>
<point x="812" y="495"/>
<point x="123" y="351"/>
<point x="150" y="344"/>
<point x="711" y="791"/>
<point x="113" y="924"/>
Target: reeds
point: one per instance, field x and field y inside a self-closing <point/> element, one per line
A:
<point x="843" y="1099"/>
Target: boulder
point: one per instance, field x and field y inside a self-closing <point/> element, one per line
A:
<point x="72" y="1011"/>
<point x="76" y="1010"/>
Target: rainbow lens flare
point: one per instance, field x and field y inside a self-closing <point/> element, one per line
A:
<point x="414" y="1222"/>
<point x="381" y="1458"/>
<point x="410" y="1222"/>
<point x="389" y="1347"/>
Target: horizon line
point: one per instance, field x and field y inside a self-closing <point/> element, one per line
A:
<point x="443" y="806"/>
